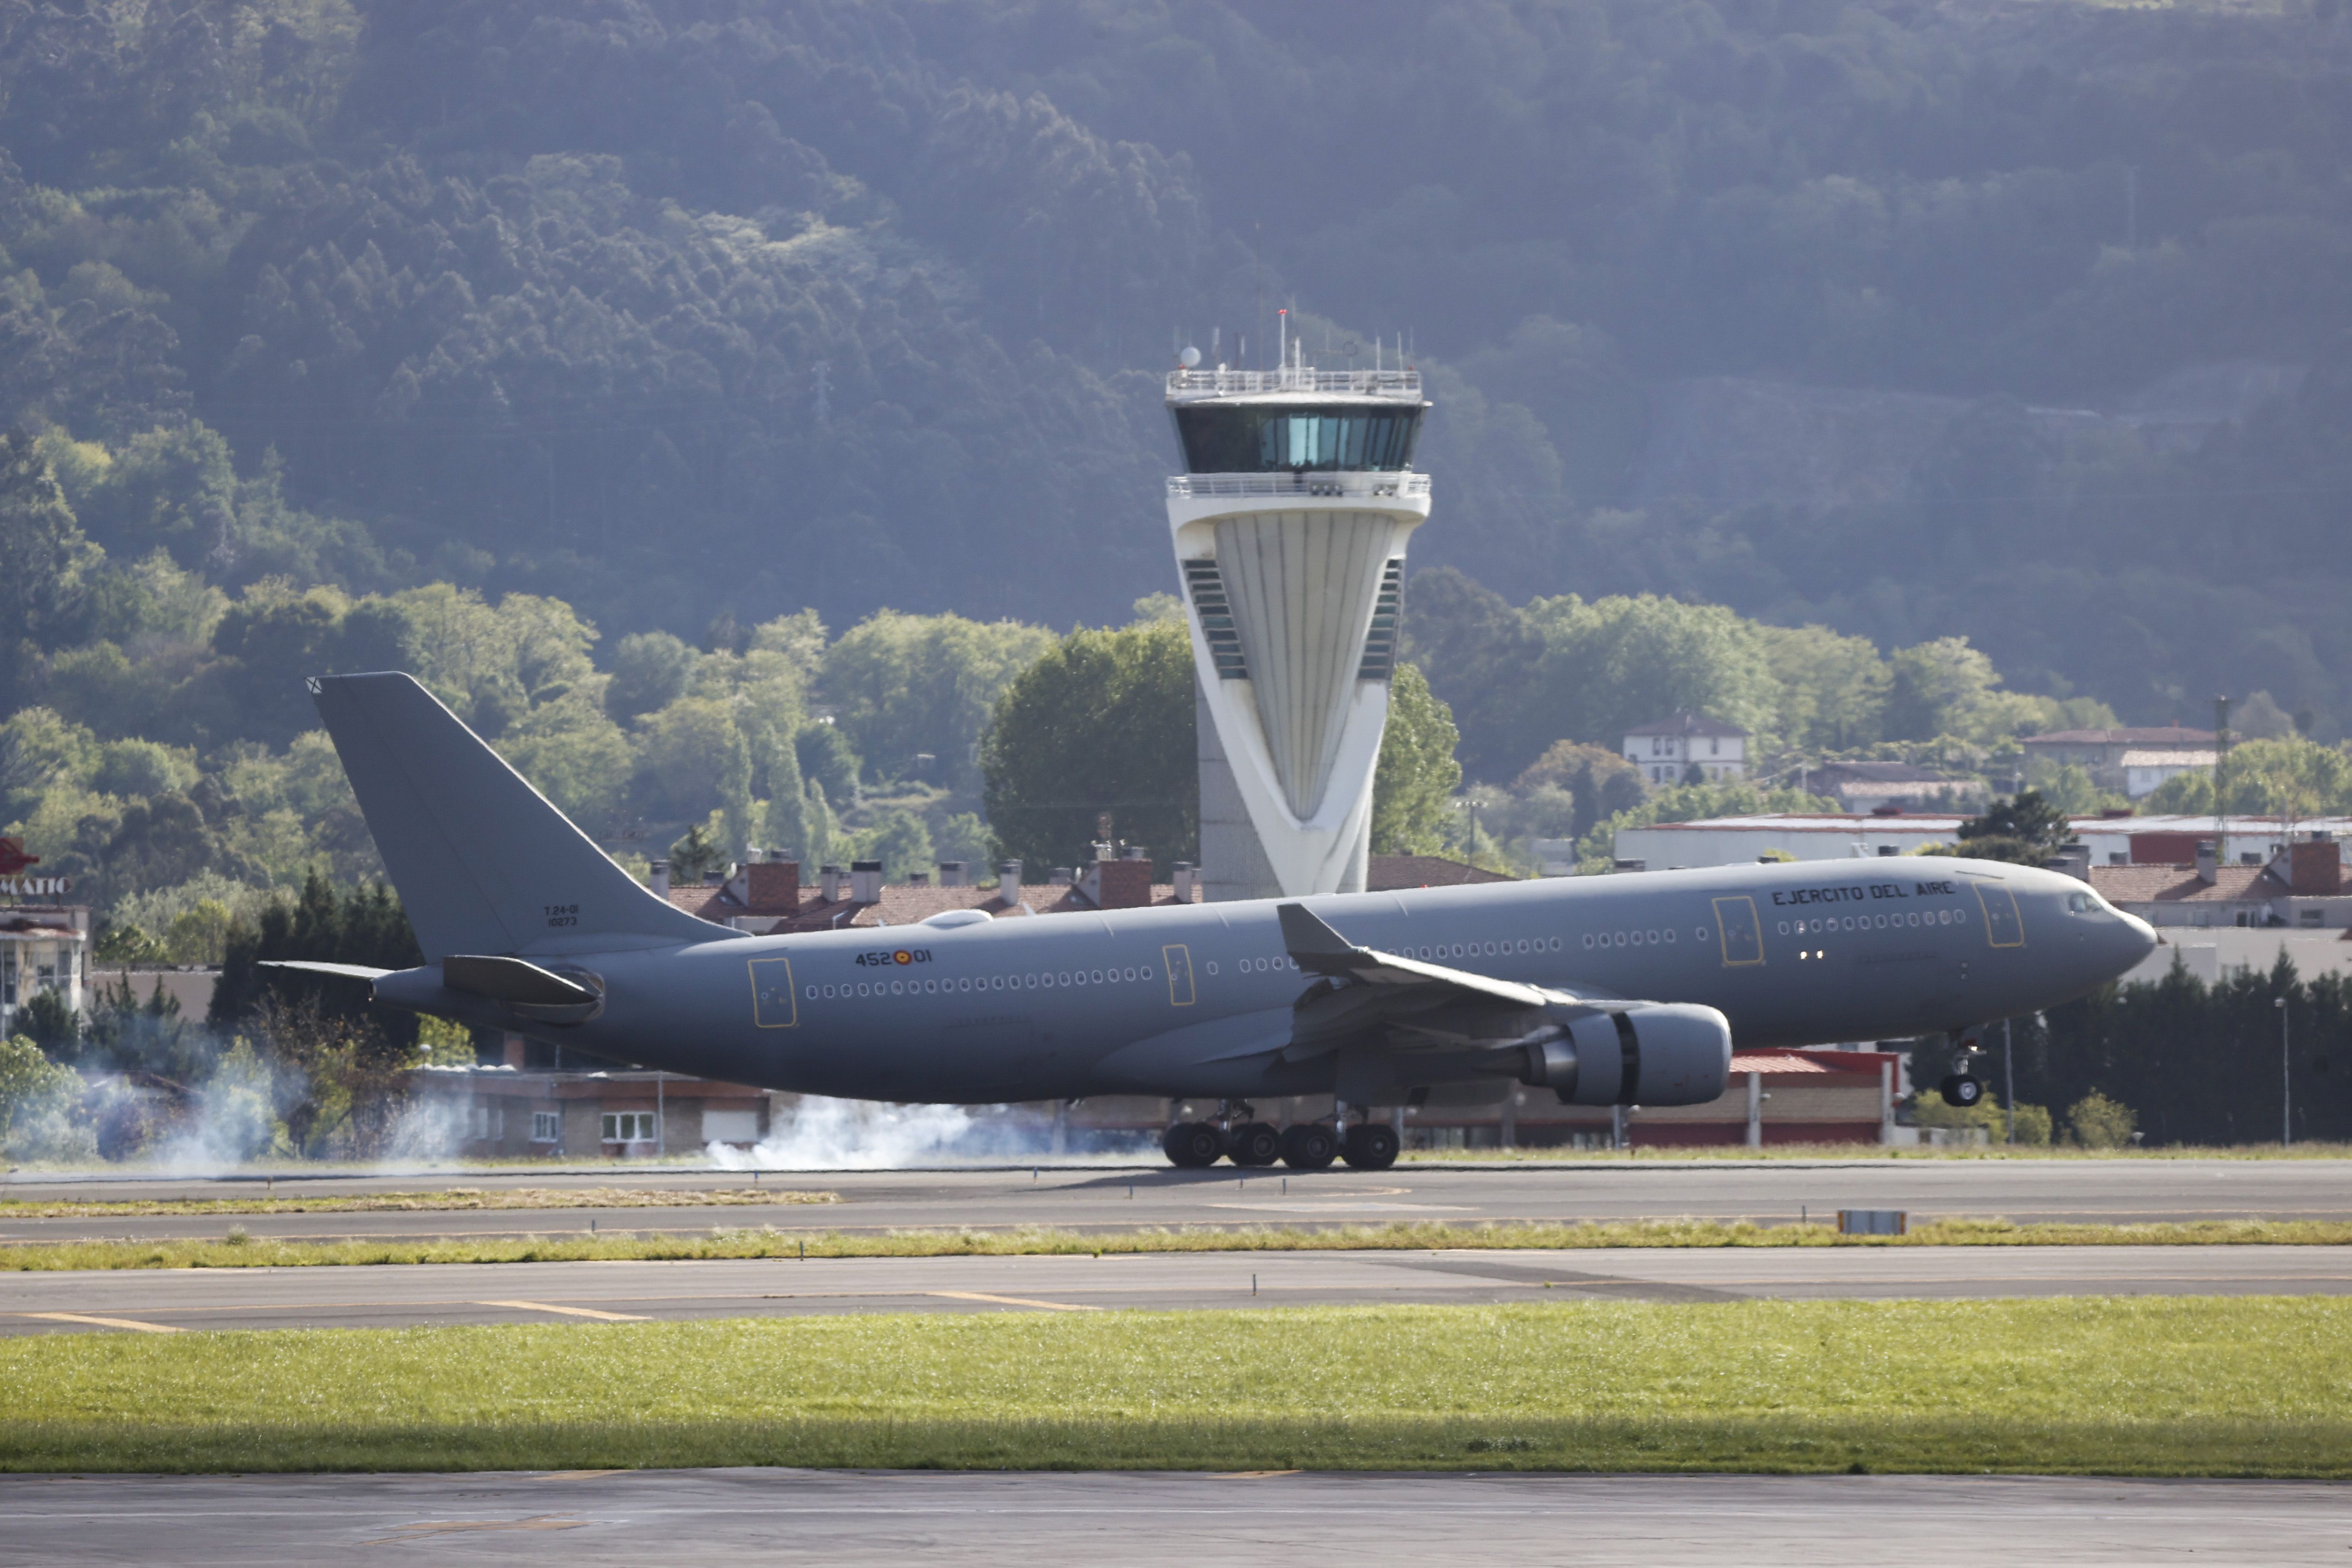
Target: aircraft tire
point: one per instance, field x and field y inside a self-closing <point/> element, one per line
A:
<point x="1963" y="1089"/>
<point x="1255" y="1144"/>
<point x="1369" y="1147"/>
<point x="1193" y="1146"/>
<point x="1309" y="1146"/>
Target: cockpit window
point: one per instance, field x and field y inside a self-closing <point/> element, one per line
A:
<point x="2080" y="904"/>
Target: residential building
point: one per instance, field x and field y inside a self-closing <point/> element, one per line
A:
<point x="2117" y="839"/>
<point x="2146" y="769"/>
<point x="1668" y="749"/>
<point x="2299" y="887"/>
<point x="509" y="1111"/>
<point x="2100" y="752"/>
<point x="1864" y="787"/>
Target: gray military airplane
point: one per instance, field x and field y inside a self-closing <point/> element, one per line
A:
<point x="1606" y="991"/>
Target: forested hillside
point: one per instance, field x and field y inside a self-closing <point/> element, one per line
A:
<point x="676" y="309"/>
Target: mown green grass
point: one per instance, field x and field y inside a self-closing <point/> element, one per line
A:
<point x="233" y="1251"/>
<point x="2254" y="1387"/>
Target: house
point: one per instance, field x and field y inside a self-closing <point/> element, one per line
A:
<point x="1862" y="787"/>
<point x="768" y="898"/>
<point x="509" y="1111"/>
<point x="1388" y="873"/>
<point x="2300" y="886"/>
<point x="2146" y="769"/>
<point x="1667" y="749"/>
<point x="2100" y="752"/>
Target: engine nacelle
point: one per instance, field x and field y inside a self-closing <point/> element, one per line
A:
<point x="1659" y="1053"/>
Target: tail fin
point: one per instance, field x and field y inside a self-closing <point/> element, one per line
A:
<point x="482" y="862"/>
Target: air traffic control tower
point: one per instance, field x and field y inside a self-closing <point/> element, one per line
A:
<point x="1290" y="524"/>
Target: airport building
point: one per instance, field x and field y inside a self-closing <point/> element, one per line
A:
<point x="1289" y="525"/>
<point x="44" y="941"/>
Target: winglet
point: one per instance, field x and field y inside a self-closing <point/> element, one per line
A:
<point x="1319" y="948"/>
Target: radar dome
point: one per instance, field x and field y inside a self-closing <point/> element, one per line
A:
<point x="1189" y="359"/>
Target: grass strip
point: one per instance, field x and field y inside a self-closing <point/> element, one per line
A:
<point x="2174" y="1387"/>
<point x="453" y="1199"/>
<point x="237" y="1251"/>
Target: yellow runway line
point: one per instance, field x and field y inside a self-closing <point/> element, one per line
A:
<point x="1012" y="1301"/>
<point x="102" y="1322"/>
<point x="568" y="1312"/>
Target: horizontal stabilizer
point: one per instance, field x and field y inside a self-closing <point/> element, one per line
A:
<point x="511" y="980"/>
<point x="342" y="971"/>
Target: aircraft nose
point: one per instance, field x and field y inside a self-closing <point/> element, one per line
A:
<point x="2136" y="941"/>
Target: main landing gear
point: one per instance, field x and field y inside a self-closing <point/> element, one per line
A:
<point x="1237" y="1135"/>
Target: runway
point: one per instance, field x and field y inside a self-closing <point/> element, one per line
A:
<point x="858" y="1517"/>
<point x="170" y="1301"/>
<point x="1105" y="1198"/>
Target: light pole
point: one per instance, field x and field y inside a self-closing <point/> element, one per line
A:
<point x="2286" y="1081"/>
<point x="2008" y="1083"/>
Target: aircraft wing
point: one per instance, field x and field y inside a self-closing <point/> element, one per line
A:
<point x="1407" y="1004"/>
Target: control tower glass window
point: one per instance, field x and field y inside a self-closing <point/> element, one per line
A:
<point x="1291" y="438"/>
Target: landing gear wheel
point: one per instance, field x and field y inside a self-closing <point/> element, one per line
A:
<point x="1371" y="1147"/>
<point x="1255" y="1144"/>
<point x="1309" y="1146"/>
<point x="1963" y="1089"/>
<point x="1192" y="1146"/>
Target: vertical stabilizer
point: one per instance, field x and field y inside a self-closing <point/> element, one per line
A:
<point x="482" y="861"/>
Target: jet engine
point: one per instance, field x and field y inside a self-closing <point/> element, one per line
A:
<point x="1650" y="1054"/>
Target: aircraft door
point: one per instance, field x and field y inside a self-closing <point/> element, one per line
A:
<point x="1178" y="959"/>
<point x="1742" y="935"/>
<point x="773" y="1003"/>
<point x="2003" y="928"/>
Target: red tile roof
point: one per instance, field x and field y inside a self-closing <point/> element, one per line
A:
<point x="1390" y="874"/>
<point x="2152" y="735"/>
<point x="1687" y="724"/>
<point x="2178" y="884"/>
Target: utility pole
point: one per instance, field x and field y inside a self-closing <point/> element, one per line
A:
<point x="2220" y="781"/>
<point x="2009" y="1082"/>
<point x="2286" y="1081"/>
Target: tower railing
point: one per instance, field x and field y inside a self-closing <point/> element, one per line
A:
<point x="1294" y="379"/>
<point x="1190" y="486"/>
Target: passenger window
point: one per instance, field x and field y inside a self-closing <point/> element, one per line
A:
<point x="1743" y="934"/>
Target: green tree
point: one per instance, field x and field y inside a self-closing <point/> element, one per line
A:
<point x="575" y="755"/>
<point x="826" y="758"/>
<point x="900" y="840"/>
<point x="2096" y="1122"/>
<point x="1834" y="689"/>
<point x="1413" y="788"/>
<point x="2025" y="830"/>
<point x="650" y="670"/>
<point x="1611" y="663"/>
<point x="36" y="1095"/>
<point x="902" y="685"/>
<point x="1102" y="722"/>
<point x="44" y="559"/>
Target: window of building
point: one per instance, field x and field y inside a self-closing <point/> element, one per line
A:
<point x="2314" y="917"/>
<point x="1284" y="438"/>
<point x="629" y="1126"/>
<point x="490" y="1120"/>
<point x="546" y="1127"/>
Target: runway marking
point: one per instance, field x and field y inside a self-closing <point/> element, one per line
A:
<point x="576" y="1475"/>
<point x="452" y="1526"/>
<point x="102" y="1322"/>
<point x="568" y="1312"/>
<point x="1012" y="1301"/>
<point x="1252" y="1475"/>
